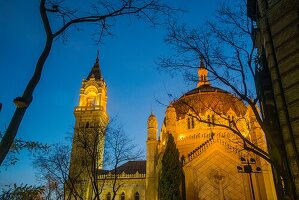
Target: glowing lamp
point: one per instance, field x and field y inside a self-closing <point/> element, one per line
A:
<point x="20" y="102"/>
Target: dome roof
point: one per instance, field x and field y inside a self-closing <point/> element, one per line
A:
<point x="200" y="99"/>
<point x="205" y="88"/>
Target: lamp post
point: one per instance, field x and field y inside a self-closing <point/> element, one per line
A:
<point x="247" y="168"/>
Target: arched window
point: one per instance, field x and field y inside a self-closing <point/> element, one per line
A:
<point x="136" y="196"/>
<point x="192" y="122"/>
<point x="91" y="101"/>
<point x="122" y="196"/>
<point x="108" y="196"/>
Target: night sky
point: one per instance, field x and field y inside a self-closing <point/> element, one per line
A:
<point x="128" y="64"/>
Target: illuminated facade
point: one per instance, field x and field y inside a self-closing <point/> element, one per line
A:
<point x="91" y="120"/>
<point x="86" y="167"/>
<point x="210" y="153"/>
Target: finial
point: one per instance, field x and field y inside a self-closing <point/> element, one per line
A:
<point x="97" y="59"/>
<point x="151" y="109"/>
<point x="202" y="64"/>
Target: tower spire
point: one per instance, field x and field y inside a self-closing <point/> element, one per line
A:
<point x="202" y="73"/>
<point x="96" y="71"/>
<point x="97" y="59"/>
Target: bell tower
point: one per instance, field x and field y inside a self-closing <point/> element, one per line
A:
<point x="89" y="131"/>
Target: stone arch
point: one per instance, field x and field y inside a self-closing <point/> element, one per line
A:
<point x="123" y="196"/>
<point x="136" y="196"/>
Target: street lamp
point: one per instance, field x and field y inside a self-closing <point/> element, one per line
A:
<point x="247" y="168"/>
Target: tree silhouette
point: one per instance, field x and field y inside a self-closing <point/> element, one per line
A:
<point x="55" y="14"/>
<point x="225" y="44"/>
<point x="16" y="192"/>
<point x="64" y="180"/>
<point x="171" y="175"/>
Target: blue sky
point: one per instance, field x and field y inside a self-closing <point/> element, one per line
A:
<point x="127" y="62"/>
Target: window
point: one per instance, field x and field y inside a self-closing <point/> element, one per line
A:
<point x="91" y="101"/>
<point x="213" y="120"/>
<point x="192" y="122"/>
<point x="122" y="196"/>
<point x="209" y="120"/>
<point x="108" y="196"/>
<point x="136" y="196"/>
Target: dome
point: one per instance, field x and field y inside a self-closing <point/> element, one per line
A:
<point x="200" y="99"/>
<point x="206" y="97"/>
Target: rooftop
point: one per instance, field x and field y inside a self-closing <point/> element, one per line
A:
<point x="130" y="167"/>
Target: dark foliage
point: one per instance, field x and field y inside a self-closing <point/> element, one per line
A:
<point x="17" y="192"/>
<point x="171" y="176"/>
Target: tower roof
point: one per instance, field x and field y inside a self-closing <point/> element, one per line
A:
<point x="95" y="71"/>
<point x="152" y="115"/>
<point x="130" y="167"/>
<point x="152" y="121"/>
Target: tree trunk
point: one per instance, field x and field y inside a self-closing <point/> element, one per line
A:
<point x="27" y="97"/>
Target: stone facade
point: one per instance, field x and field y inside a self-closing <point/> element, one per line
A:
<point x="131" y="179"/>
<point x="210" y="153"/>
<point x="277" y="39"/>
<point x="89" y="131"/>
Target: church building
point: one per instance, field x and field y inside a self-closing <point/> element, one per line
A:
<point x="215" y="164"/>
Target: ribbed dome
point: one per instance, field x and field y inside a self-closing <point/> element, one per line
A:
<point x="200" y="99"/>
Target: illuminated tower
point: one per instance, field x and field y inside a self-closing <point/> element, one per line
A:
<point x="170" y="120"/>
<point x="151" y="158"/>
<point x="89" y="132"/>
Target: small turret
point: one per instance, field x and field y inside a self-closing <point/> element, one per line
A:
<point x="171" y="120"/>
<point x="151" y="158"/>
<point x="202" y="74"/>
<point x="152" y="127"/>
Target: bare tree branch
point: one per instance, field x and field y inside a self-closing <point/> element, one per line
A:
<point x="150" y="10"/>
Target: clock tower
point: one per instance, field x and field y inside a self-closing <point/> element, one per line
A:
<point x="89" y="131"/>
